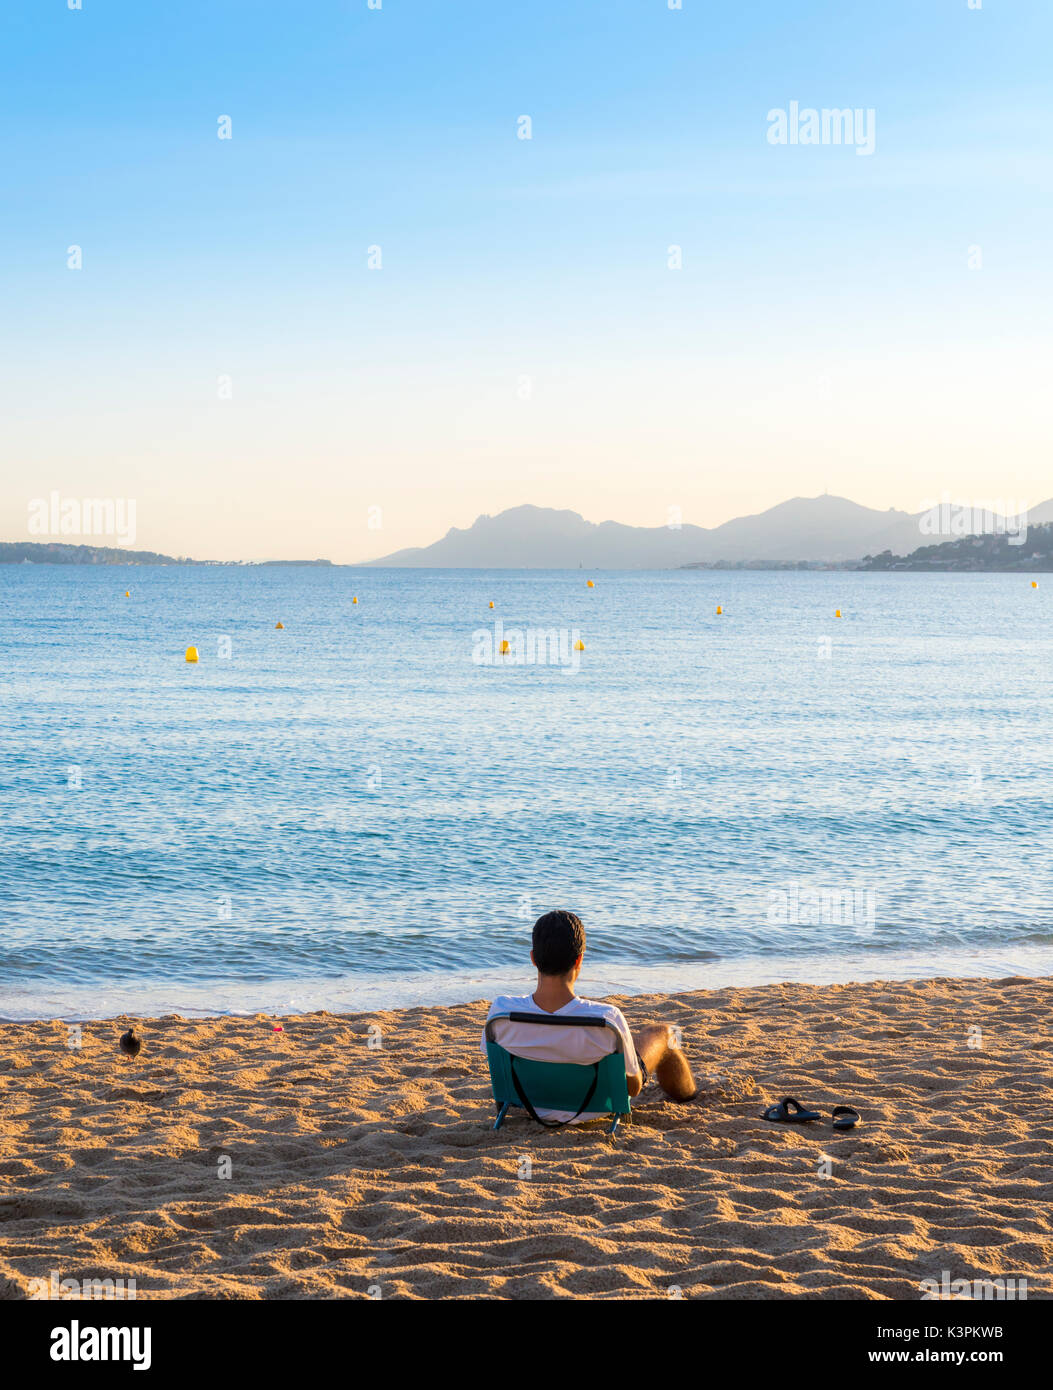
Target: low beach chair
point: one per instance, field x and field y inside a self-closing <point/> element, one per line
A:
<point x="592" y="1088"/>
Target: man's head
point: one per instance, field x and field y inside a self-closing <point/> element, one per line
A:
<point x="559" y="944"/>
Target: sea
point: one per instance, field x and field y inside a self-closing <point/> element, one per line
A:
<point x="732" y="777"/>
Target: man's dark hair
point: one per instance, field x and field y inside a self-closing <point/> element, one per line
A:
<point x="559" y="939"/>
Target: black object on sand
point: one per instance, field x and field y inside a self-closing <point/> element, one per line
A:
<point x="130" y="1044"/>
<point x="790" y="1111"/>
<point x="782" y="1114"/>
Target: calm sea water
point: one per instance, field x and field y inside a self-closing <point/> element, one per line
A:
<point x="353" y="812"/>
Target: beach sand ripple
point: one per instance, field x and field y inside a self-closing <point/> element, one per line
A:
<point x="359" y="1170"/>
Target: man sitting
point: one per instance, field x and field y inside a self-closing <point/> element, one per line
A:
<point x="558" y="948"/>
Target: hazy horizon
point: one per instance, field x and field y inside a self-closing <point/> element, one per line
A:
<point x="1043" y="514"/>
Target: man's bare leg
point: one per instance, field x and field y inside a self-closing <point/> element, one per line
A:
<point x="659" y="1052"/>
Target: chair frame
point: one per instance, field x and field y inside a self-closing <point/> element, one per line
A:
<point x="613" y="1090"/>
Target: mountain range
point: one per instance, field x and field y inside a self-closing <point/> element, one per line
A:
<point x="804" y="531"/>
<point x="822" y="529"/>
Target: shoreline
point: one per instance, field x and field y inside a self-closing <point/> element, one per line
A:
<point x="288" y="998"/>
<point x="342" y="1153"/>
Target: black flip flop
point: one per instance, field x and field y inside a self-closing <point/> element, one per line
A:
<point x="850" y="1116"/>
<point x="782" y="1114"/>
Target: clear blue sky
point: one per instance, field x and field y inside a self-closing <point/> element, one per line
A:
<point x="825" y="329"/>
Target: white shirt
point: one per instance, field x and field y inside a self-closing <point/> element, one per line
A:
<point x="548" y="1044"/>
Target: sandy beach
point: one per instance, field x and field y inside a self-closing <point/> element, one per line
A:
<point x="362" y="1162"/>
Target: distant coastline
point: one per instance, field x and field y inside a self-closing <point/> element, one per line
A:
<point x="990" y="554"/>
<point x="1025" y="550"/>
<point x="59" y="553"/>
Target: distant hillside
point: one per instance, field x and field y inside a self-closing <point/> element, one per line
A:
<point x="991" y="553"/>
<point x="55" y="553"/>
<point x="810" y="529"/>
<point x="544" y="538"/>
<point x="803" y="532"/>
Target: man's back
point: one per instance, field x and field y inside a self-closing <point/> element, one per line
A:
<point x="548" y="1044"/>
<point x="581" y="1045"/>
<point x="558" y="948"/>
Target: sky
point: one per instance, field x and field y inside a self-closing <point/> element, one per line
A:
<point x="231" y="357"/>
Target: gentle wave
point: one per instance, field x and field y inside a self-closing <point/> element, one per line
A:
<point x="354" y="799"/>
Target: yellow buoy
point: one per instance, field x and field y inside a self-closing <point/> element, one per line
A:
<point x="579" y="646"/>
<point x="191" y="653"/>
<point x="354" y="600"/>
<point x="279" y="625"/>
<point x="127" y="593"/>
<point x="589" y="584"/>
<point x="719" y="610"/>
<point x="838" y="613"/>
<point x="1034" y="583"/>
<point x="491" y="603"/>
<point x="503" y="649"/>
